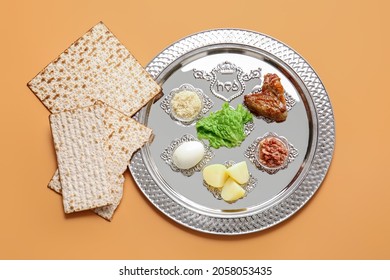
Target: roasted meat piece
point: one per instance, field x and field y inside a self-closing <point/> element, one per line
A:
<point x="270" y="101"/>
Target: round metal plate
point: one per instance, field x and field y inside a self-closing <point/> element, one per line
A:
<point x="226" y="64"/>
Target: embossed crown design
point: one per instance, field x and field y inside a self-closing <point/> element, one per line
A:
<point x="226" y="67"/>
<point x="229" y="87"/>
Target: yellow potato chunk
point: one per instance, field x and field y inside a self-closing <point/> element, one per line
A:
<point x="239" y="172"/>
<point x="232" y="191"/>
<point x="215" y="175"/>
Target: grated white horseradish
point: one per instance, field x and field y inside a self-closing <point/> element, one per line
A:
<point x="186" y="105"/>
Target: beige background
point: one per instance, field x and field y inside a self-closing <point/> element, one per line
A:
<point x="346" y="43"/>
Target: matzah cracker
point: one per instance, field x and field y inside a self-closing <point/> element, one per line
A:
<point x="79" y="140"/>
<point x="107" y="212"/>
<point x="55" y="183"/>
<point x="95" y="67"/>
<point x="125" y="137"/>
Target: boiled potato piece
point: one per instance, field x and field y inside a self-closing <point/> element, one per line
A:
<point x="232" y="191"/>
<point x="215" y="175"/>
<point x="239" y="172"/>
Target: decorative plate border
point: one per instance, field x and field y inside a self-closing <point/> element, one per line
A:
<point x="323" y="153"/>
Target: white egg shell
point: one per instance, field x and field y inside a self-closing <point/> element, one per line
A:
<point x="188" y="154"/>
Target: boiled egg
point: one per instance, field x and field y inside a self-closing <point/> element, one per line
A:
<point x="188" y="154"/>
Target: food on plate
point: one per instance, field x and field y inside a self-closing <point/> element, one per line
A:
<point x="224" y="127"/>
<point x="215" y="175"/>
<point x="272" y="152"/>
<point x="121" y="136"/>
<point x="239" y="172"/>
<point x="270" y="102"/>
<point x="229" y="181"/>
<point x="232" y="191"/>
<point x="188" y="154"/>
<point x="186" y="105"/>
<point x="95" y="67"/>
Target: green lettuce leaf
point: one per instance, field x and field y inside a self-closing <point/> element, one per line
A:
<point x="224" y="127"/>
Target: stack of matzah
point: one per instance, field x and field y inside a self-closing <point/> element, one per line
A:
<point x="92" y="89"/>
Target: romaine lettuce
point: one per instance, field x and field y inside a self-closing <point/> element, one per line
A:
<point x="224" y="127"/>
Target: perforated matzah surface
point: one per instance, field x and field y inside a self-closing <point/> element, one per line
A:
<point x="95" y="67"/>
<point x="79" y="139"/>
<point x="125" y="136"/>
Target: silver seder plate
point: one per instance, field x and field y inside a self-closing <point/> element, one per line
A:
<point x="224" y="65"/>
